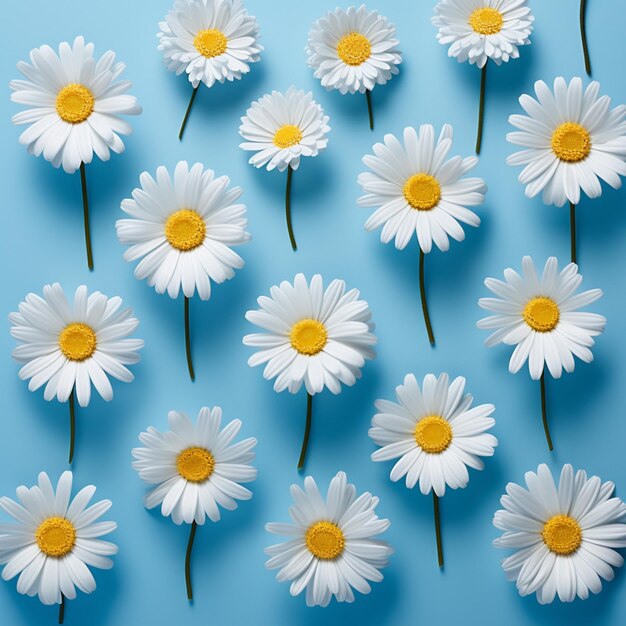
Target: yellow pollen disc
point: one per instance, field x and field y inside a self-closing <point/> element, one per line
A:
<point x="486" y="21"/>
<point x="541" y="314"/>
<point x="354" y="49"/>
<point x="210" y="43"/>
<point x="571" y="142"/>
<point x="74" y="103"/>
<point x="325" y="540"/>
<point x="77" y="341"/>
<point x="195" y="464"/>
<point x="185" y="229"/>
<point x="56" y="536"/>
<point x="562" y="534"/>
<point x="287" y="136"/>
<point x="433" y="434"/>
<point x="308" y="336"/>
<point x="422" y="192"/>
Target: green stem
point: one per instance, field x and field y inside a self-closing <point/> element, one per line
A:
<point x="438" y="529"/>
<point x="192" y="536"/>
<point x="429" y="328"/>
<point x="294" y="246"/>
<point x="184" y="124"/>
<point x="72" y="427"/>
<point x="307" y="431"/>
<point x="572" y="230"/>
<point x="583" y="35"/>
<point x="543" y="412"/>
<point x="368" y="96"/>
<point x="481" y="107"/>
<point x="62" y="609"/>
<point x="188" y="341"/>
<point x="83" y="184"/>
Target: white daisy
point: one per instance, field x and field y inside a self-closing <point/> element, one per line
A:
<point x="479" y="30"/>
<point x="564" y="537"/>
<point x="56" y="540"/>
<point x="196" y="468"/>
<point x="332" y="549"/>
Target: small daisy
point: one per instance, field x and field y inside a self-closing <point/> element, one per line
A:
<point x="435" y="434"/>
<point x="183" y="230"/>
<point x="196" y="468"/>
<point x="318" y="337"/>
<point x="540" y="317"/>
<point x="280" y="128"/>
<point x="75" y="106"/>
<point x="417" y="189"/>
<point x="211" y="40"/>
<point x="571" y="139"/>
<point x="56" y="540"/>
<point x="354" y="50"/>
<point x="479" y="30"/>
<point x="564" y="537"/>
<point x="332" y="548"/>
<point x="68" y="347"/>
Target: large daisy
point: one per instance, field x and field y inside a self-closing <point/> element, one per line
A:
<point x="480" y="30"/>
<point x="417" y="189"/>
<point x="183" y="230"/>
<point x="56" y="540"/>
<point x="353" y="50"/>
<point x="436" y="434"/>
<point x="75" y="102"/>
<point x="540" y="317"/>
<point x="318" y="337"/>
<point x="68" y="347"/>
<point x="280" y="128"/>
<point x="332" y="547"/>
<point x="572" y="139"/>
<point x="209" y="40"/>
<point x="196" y="469"/>
<point x="564" y="536"/>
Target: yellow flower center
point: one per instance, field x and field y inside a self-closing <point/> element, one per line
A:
<point x="562" y="534"/>
<point x="185" y="229"/>
<point x="74" y="103"/>
<point x="210" y="42"/>
<point x="354" y="49"/>
<point x="308" y="336"/>
<point x="571" y="142"/>
<point x="195" y="464"/>
<point x="325" y="540"/>
<point x="56" y="536"/>
<point x="287" y="136"/>
<point x="77" y="341"/>
<point x="541" y="314"/>
<point x="433" y="434"/>
<point x="422" y="192"/>
<point x="486" y="21"/>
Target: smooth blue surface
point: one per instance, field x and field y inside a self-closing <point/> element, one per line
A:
<point x="42" y="242"/>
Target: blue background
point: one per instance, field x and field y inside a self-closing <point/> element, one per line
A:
<point x="42" y="242"/>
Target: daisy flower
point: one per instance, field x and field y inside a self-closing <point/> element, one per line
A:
<point x="211" y="41"/>
<point x="332" y="547"/>
<point x="354" y="50"/>
<point x="318" y="337"/>
<point x="68" y="347"/>
<point x="417" y="189"/>
<point x="571" y="139"/>
<point x="280" y="128"/>
<point x="56" y="540"/>
<point x="564" y="537"/>
<point x="479" y="30"/>
<point x="183" y="230"/>
<point x="540" y="317"/>
<point x="436" y="435"/>
<point x="197" y="469"/>
<point x="75" y="105"/>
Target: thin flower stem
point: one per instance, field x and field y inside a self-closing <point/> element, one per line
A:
<point x="572" y="230"/>
<point x="368" y="96"/>
<point x="294" y="246"/>
<point x="72" y="426"/>
<point x="192" y="536"/>
<point x="83" y="184"/>
<point x="583" y="35"/>
<point x="307" y="431"/>
<point x="543" y="412"/>
<point x="192" y="375"/>
<point x="438" y="529"/>
<point x="187" y="112"/>
<point x="429" y="328"/>
<point x="62" y="609"/>
<point x="481" y="107"/>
